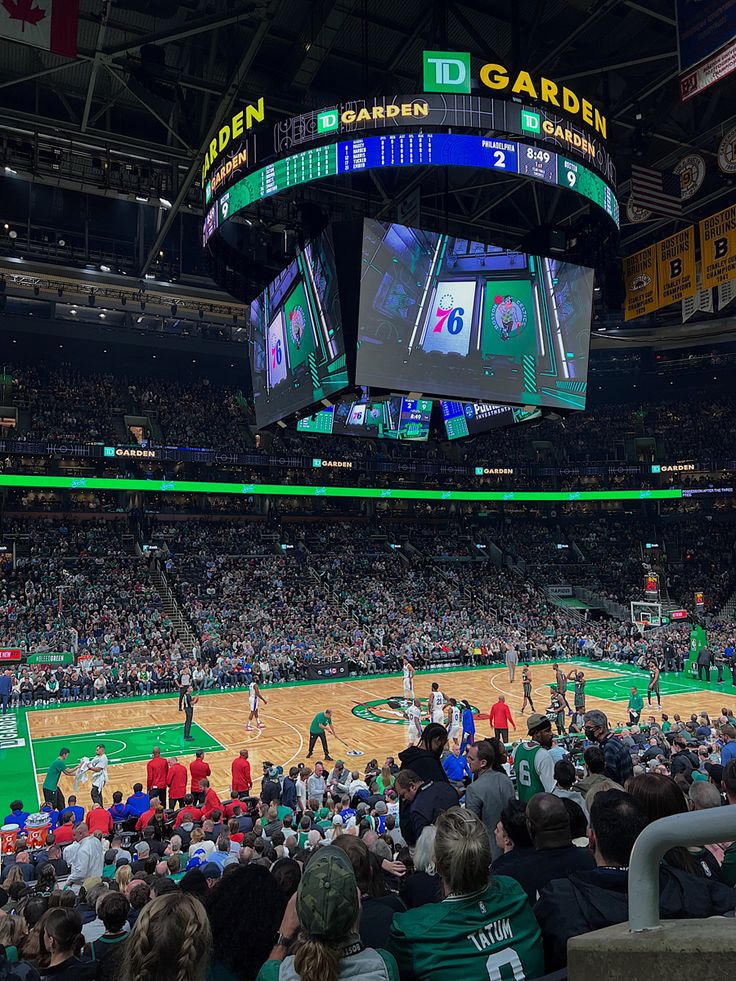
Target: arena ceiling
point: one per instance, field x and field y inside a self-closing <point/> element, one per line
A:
<point x="154" y="78"/>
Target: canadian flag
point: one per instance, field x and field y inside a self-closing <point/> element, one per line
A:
<point x="49" y="24"/>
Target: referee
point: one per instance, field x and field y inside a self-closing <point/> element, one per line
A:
<point x="189" y="704"/>
<point x="321" y="724"/>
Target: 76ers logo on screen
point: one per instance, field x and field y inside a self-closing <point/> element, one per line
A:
<point x="448" y="315"/>
<point x="509" y="316"/>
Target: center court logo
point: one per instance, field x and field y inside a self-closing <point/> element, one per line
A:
<point x="390" y="711"/>
<point x="447" y="71"/>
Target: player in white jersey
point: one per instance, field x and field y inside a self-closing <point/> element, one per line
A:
<point x="436" y="704"/>
<point x="453" y="722"/>
<point x="414" y="718"/>
<point x="408" y="681"/>
<point x="254" y="695"/>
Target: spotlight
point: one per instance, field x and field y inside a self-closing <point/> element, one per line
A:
<point x="165" y="202"/>
<point x="104" y="268"/>
<point x="73" y="311"/>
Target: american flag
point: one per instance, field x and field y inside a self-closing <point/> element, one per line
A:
<point x="656" y="190"/>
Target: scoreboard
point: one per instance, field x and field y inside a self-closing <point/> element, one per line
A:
<point x="412" y="150"/>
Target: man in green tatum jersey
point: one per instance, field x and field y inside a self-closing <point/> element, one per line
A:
<point x="533" y="764"/>
<point x="483" y="929"/>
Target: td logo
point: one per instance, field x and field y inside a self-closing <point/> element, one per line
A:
<point x="446" y="71"/>
<point x="327" y="121"/>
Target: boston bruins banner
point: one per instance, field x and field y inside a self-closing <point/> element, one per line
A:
<point x="676" y="267"/>
<point x="640" y="281"/>
<point x="718" y="247"/>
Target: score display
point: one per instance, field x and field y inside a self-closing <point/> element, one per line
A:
<point x="391" y="418"/>
<point x="411" y="150"/>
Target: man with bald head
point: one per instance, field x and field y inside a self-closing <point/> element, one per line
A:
<point x="554" y="855"/>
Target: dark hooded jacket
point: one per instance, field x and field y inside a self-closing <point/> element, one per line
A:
<point x="587" y="901"/>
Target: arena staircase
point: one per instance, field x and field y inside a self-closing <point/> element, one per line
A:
<point x="173" y="611"/>
<point x="728" y="610"/>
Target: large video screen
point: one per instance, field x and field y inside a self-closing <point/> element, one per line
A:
<point x="297" y="350"/>
<point x="390" y="418"/>
<point x="448" y="316"/>
<point x="472" y="418"/>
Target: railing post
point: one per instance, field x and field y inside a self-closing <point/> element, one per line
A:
<point x="697" y="828"/>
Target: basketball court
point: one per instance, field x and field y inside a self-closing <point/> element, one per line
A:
<point x="366" y="712"/>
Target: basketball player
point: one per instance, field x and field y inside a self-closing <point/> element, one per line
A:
<point x="414" y="718"/>
<point x="254" y="694"/>
<point x="561" y="685"/>
<point x="436" y="704"/>
<point x="653" y="687"/>
<point x="408" y="681"/>
<point x="579" y="694"/>
<point x="557" y="710"/>
<point x="526" y="687"/>
<point x="453" y="722"/>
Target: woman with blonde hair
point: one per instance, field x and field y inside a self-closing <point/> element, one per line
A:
<point x="492" y="912"/>
<point x="123" y="875"/>
<point x="171" y="941"/>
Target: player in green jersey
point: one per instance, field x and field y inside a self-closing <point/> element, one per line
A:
<point x="533" y="765"/>
<point x="482" y="928"/>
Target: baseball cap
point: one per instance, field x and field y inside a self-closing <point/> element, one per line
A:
<point x="715" y="772"/>
<point x="537" y="721"/>
<point x="322" y="813"/>
<point x="327" y="898"/>
<point x="273" y="771"/>
<point x="211" y="871"/>
<point x="697" y="775"/>
<point x="339" y="763"/>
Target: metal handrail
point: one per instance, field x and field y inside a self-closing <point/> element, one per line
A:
<point x="698" y="828"/>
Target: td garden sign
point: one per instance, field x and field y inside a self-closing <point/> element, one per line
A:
<point x="449" y="71"/>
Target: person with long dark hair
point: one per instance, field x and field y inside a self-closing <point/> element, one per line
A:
<point x="241" y="944"/>
<point x="61" y="946"/>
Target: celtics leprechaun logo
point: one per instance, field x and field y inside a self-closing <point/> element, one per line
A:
<point x="390" y="711"/>
<point x="509" y="316"/>
<point x="297" y="323"/>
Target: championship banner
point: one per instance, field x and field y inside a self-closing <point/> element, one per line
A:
<point x="718" y="247"/>
<point x="701" y="302"/>
<point x="676" y="267"/>
<point x="640" y="282"/>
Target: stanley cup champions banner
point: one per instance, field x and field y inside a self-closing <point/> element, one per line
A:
<point x="640" y="281"/>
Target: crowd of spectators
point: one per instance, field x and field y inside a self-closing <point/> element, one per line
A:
<point x="254" y="599"/>
<point x="393" y="871"/>
<point x="68" y="403"/>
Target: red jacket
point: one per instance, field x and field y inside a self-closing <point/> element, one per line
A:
<point x="211" y="802"/>
<point x="241" y="782"/>
<point x="157" y="770"/>
<point x="500" y="716"/>
<point x="194" y="813"/>
<point x="145" y="817"/>
<point x="199" y="770"/>
<point x="64" y="834"/>
<point x="98" y="819"/>
<point x="177" y="781"/>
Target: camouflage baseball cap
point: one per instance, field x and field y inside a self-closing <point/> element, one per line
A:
<point x="327" y="899"/>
